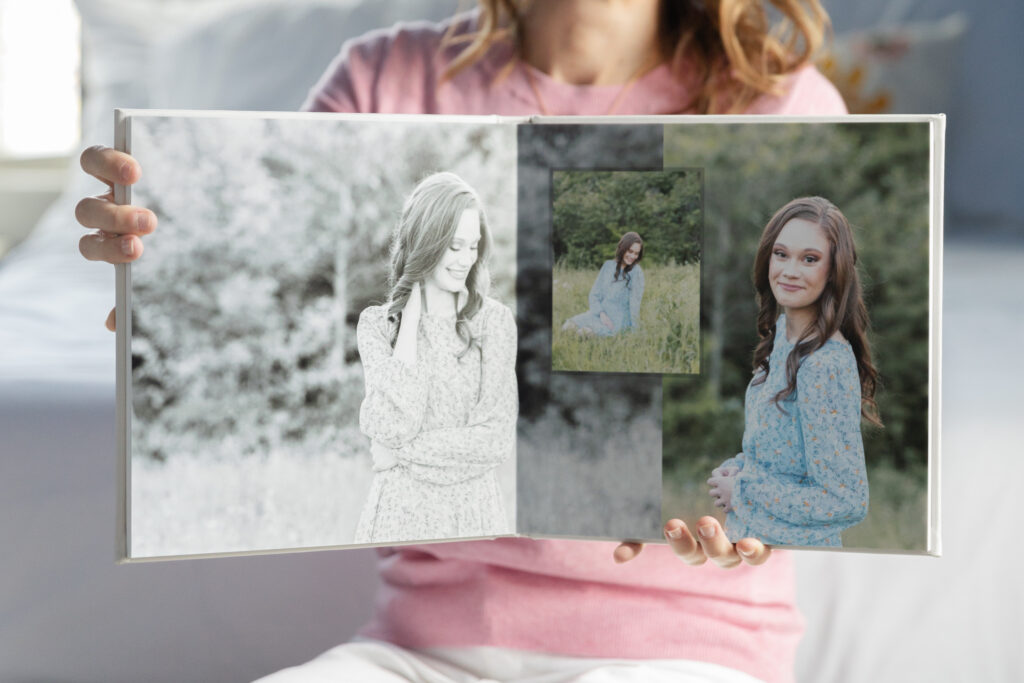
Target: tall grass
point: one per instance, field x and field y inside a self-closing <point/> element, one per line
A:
<point x="667" y="339"/>
<point x="897" y="508"/>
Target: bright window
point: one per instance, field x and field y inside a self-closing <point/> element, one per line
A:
<point x="40" y="102"/>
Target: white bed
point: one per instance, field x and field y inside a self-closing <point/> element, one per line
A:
<point x="68" y="612"/>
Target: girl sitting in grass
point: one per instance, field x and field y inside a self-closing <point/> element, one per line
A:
<point x="617" y="292"/>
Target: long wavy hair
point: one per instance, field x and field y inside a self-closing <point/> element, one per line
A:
<point x="729" y="48"/>
<point x="424" y="232"/>
<point x="625" y="242"/>
<point x="839" y="308"/>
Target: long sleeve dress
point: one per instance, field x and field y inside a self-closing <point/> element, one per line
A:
<point x="802" y="478"/>
<point x="619" y="299"/>
<point x="448" y="421"/>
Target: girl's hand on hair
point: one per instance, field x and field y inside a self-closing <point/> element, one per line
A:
<point x="384" y="458"/>
<point x="710" y="543"/>
<point x="118" y="228"/>
<point x="414" y="305"/>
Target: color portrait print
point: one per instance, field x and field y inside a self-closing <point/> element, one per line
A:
<point x="626" y="276"/>
<point x="809" y="425"/>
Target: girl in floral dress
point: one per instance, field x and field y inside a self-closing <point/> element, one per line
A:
<point x="801" y="477"/>
<point x="616" y="294"/>
<point x="439" y="363"/>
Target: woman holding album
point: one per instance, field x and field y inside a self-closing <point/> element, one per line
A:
<point x="500" y="609"/>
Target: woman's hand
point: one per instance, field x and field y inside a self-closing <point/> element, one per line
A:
<point x="722" y="481"/>
<point x="405" y="343"/>
<point x="725" y="471"/>
<point x="607" y="321"/>
<point x="384" y="458"/>
<point x="413" y="305"/>
<point x="118" y="228"/>
<point x="711" y="544"/>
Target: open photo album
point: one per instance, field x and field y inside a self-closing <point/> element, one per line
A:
<point x="370" y="330"/>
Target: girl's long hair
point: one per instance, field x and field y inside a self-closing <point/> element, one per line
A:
<point x="425" y="231"/>
<point x="839" y="308"/>
<point x="625" y="242"/>
<point x="729" y="48"/>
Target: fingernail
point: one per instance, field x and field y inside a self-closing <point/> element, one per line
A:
<point x="127" y="246"/>
<point x="707" y="531"/>
<point x="675" y="533"/>
<point x="125" y="171"/>
<point x="142" y="220"/>
<point x="744" y="552"/>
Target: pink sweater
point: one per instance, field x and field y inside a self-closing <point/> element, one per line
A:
<point x="564" y="597"/>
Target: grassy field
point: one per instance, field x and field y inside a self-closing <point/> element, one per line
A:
<point x="666" y="340"/>
<point x="897" y="510"/>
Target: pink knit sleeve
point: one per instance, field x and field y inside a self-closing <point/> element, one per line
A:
<point x="807" y="93"/>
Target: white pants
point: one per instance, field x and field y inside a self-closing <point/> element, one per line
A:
<point x="373" y="661"/>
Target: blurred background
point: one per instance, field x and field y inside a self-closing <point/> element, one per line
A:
<point x="68" y="612"/>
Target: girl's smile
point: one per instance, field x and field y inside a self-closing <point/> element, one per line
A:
<point x="632" y="254"/>
<point x="451" y="273"/>
<point x="799" y="266"/>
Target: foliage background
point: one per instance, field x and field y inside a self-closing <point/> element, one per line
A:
<point x="878" y="175"/>
<point x="273" y="236"/>
<point x="591" y="210"/>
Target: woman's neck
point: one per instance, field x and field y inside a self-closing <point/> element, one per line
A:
<point x="592" y="42"/>
<point x="438" y="302"/>
<point x="797" y="320"/>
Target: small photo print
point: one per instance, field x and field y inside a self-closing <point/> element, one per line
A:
<point x="626" y="278"/>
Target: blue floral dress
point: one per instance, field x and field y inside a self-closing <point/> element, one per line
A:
<point x="618" y="299"/>
<point x="802" y="478"/>
<point x="446" y="422"/>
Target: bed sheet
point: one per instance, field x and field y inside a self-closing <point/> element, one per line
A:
<point x="958" y="617"/>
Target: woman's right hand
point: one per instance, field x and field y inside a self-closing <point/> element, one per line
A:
<point x="725" y="471"/>
<point x="607" y="321"/>
<point x="413" y="305"/>
<point x="119" y="228"/>
<point x="405" y="343"/>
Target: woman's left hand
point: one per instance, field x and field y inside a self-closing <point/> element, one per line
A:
<point x="384" y="458"/>
<point x="721" y="490"/>
<point x="711" y="543"/>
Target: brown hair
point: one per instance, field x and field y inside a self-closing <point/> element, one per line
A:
<point x="625" y="242"/>
<point x="736" y="53"/>
<point x="839" y="308"/>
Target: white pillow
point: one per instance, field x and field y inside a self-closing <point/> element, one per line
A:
<point x="265" y="56"/>
<point x="219" y="54"/>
